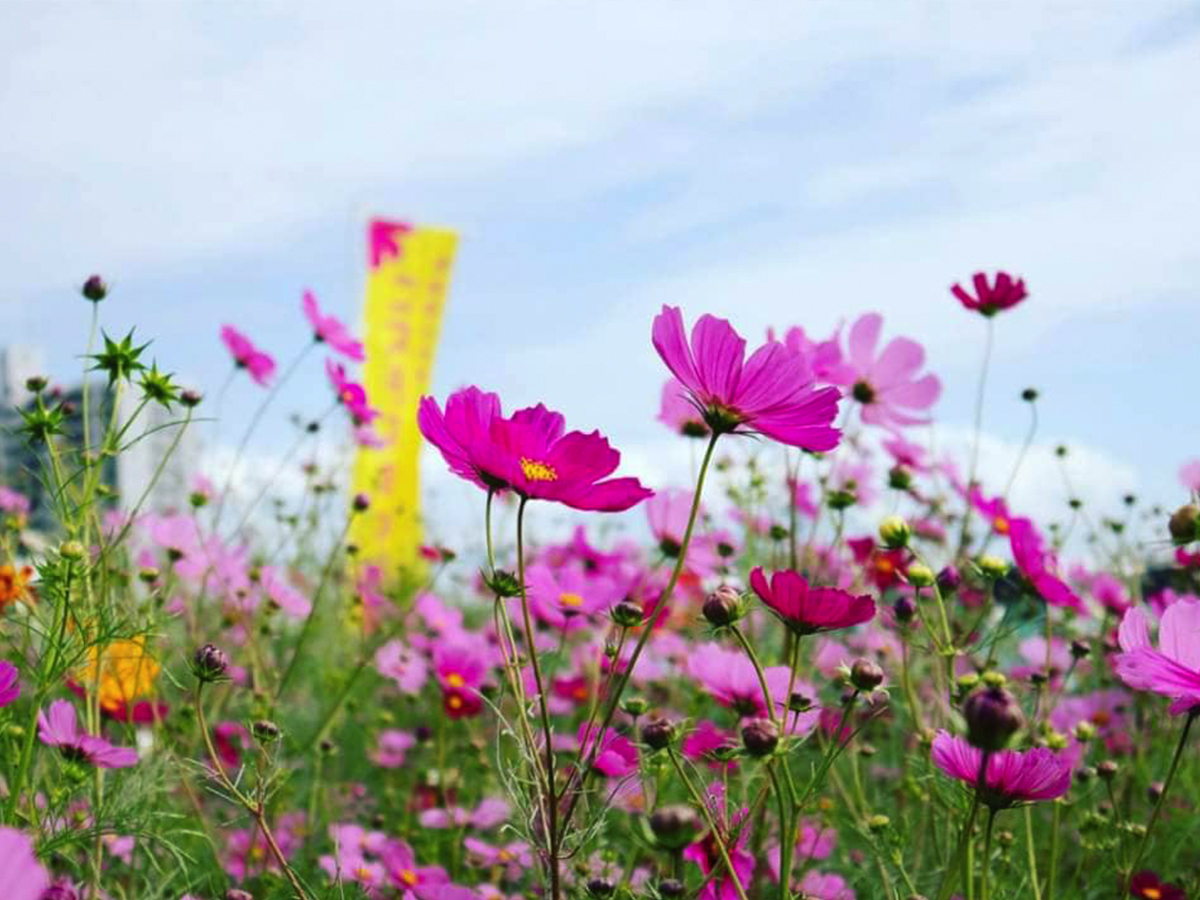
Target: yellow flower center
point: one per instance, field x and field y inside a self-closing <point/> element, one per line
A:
<point x="257" y="853"/>
<point x="537" y="471"/>
<point x="408" y="876"/>
<point x="362" y="873"/>
<point x="455" y="680"/>
<point x="1000" y="525"/>
<point x="1152" y="893"/>
<point x="504" y="856"/>
<point x="455" y="702"/>
<point x="572" y="600"/>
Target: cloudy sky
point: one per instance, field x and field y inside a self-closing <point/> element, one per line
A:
<point x="777" y="164"/>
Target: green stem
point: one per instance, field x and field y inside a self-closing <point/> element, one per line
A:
<point x="1031" y="855"/>
<point x="1055" y="821"/>
<point x="987" y="855"/>
<point x="718" y="838"/>
<point x="1162" y="798"/>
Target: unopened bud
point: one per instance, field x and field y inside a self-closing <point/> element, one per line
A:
<point x="209" y="663"/>
<point x="1184" y="524"/>
<point x="189" y="398"/>
<point x="760" y="737"/>
<point x="992" y="678"/>
<point x="675" y="826"/>
<point x="71" y="550"/>
<point x="670" y="889"/>
<point x="658" y="733"/>
<point x="905" y="609"/>
<point x="634" y="706"/>
<point x="1084" y="732"/>
<point x="600" y="887"/>
<point x="723" y="606"/>
<point x="265" y="731"/>
<point x="1029" y="395"/>
<point x="1107" y="769"/>
<point x="35" y="384"/>
<point x="894" y="532"/>
<point x="1080" y="649"/>
<point x="949" y="580"/>
<point x="920" y="575"/>
<point x="866" y="675"/>
<point x="879" y="823"/>
<point x="361" y="502"/>
<point x="992" y="566"/>
<point x="628" y="615"/>
<point x="993" y="717"/>
<point x="94" y="289"/>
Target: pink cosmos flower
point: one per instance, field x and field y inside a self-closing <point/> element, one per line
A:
<point x="1173" y="670"/>
<point x="401" y="864"/>
<point x="678" y="413"/>
<point x="391" y="747"/>
<point x="528" y="453"/>
<point x="907" y="454"/>
<point x="995" y="510"/>
<point x="260" y="365"/>
<point x="825" y="356"/>
<point x="1189" y="475"/>
<point x="707" y="737"/>
<point x="490" y="812"/>
<point x="989" y="299"/>
<point x="10" y="683"/>
<point x="59" y="729"/>
<point x="230" y="739"/>
<point x="246" y="849"/>
<point x="771" y="393"/>
<point x="329" y="330"/>
<point x="567" y="598"/>
<point x="617" y="756"/>
<point x="1038" y="565"/>
<point x="1110" y="593"/>
<point x="279" y="591"/>
<point x="667" y="513"/>
<point x="732" y="681"/>
<point x="826" y="886"/>
<point x="350" y="394"/>
<point x="885" y="383"/>
<point x="13" y="502"/>
<point x="808" y="610"/>
<point x="514" y="857"/>
<point x="1012" y="776"/>
<point x="734" y="834"/>
<point x="399" y="662"/>
<point x="24" y="877"/>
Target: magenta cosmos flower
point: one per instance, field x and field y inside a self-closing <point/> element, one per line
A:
<point x="528" y="453"/>
<point x="24" y="877"/>
<point x="1039" y="565"/>
<point x="260" y="365"/>
<point x="59" y="729"/>
<point x="1172" y="670"/>
<point x="350" y="394"/>
<point x="10" y="683"/>
<point x="885" y="383"/>
<point x="989" y="299"/>
<point x="329" y="330"/>
<point x="807" y="610"/>
<point x="1012" y="776"/>
<point x="770" y="393"/>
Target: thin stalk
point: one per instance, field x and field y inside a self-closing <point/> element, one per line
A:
<point x="987" y="855"/>
<point x="1162" y="798"/>
<point x="718" y="838"/>
<point x="1031" y="855"/>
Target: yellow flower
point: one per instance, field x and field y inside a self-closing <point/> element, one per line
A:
<point x="126" y="672"/>
<point x="14" y="583"/>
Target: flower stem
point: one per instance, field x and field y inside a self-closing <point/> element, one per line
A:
<point x="987" y="855"/>
<point x="1032" y="856"/>
<point x="718" y="838"/>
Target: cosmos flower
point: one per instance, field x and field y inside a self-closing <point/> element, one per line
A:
<point x="124" y="670"/>
<point x="60" y="729"/>
<point x="825" y="886"/>
<point x="616" y="756"/>
<point x="1012" y="776"/>
<point x="568" y="598"/>
<point x="528" y="453"/>
<point x="734" y="832"/>
<point x="391" y="746"/>
<point x="1039" y="564"/>
<point x="14" y="583"/>
<point x="989" y="299"/>
<point x="885" y="383"/>
<point x="678" y="413"/>
<point x="329" y="330"/>
<point x="771" y="393"/>
<point x="259" y="365"/>
<point x="10" y="683"/>
<point x="808" y="610"/>
<point x="350" y="394"/>
<point x="732" y="681"/>
<point x="24" y="877"/>
<point x="1145" y="885"/>
<point x="1173" y="670"/>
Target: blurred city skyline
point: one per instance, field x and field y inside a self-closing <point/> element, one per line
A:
<point x="778" y="165"/>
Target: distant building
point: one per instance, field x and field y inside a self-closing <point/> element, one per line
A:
<point x="128" y="475"/>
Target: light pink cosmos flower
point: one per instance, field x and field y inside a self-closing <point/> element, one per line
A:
<point x="885" y="383"/>
<point x="401" y="864"/>
<point x="771" y="393"/>
<point x="246" y="851"/>
<point x="616" y="757"/>
<point x="278" y="590"/>
<point x="13" y="502"/>
<point x="825" y="886"/>
<point x="825" y="357"/>
<point x="60" y="729"/>
<point x="260" y="365"/>
<point x="391" y="747"/>
<point x="405" y="666"/>
<point x="329" y="330"/>
<point x="515" y="857"/>
<point x="989" y="299"/>
<point x="1012" y="776"/>
<point x="1173" y="670"/>
<point x="10" y="683"/>
<point x="1110" y="593"/>
<point x="808" y="610"/>
<point x="23" y="876"/>
<point x="667" y="513"/>
<point x="567" y="598"/>
<point x="907" y="454"/>
<point x="1189" y="475"/>
<point x="732" y="680"/>
<point x="529" y="452"/>
<point x="678" y="413"/>
<point x="1039" y="564"/>
<point x="490" y="812"/>
<point x="735" y="832"/>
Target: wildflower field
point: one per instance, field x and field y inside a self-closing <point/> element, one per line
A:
<point x="824" y="661"/>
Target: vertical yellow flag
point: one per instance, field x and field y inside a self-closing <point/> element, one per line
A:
<point x="409" y="270"/>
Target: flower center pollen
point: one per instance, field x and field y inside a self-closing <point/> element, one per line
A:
<point x="537" y="471"/>
<point x="455" y="680"/>
<point x="572" y="600"/>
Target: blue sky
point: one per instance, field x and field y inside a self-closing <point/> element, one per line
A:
<point x="776" y="163"/>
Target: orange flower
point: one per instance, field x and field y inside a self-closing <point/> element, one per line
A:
<point x="14" y="584"/>
<point x="126" y="672"/>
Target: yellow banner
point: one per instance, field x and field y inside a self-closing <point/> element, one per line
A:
<point x="409" y="270"/>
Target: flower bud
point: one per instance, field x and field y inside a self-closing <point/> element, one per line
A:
<point x="634" y="706"/>
<point x="1155" y="791"/>
<point x="1056" y="741"/>
<point x="760" y="737"/>
<point x="866" y="675"/>
<point x="671" y="889"/>
<point x="600" y="887"/>
<point x="361" y="502"/>
<point x="949" y="580"/>
<point x="658" y="733"/>
<point x="899" y="478"/>
<point x="878" y="823"/>
<point x="967" y="682"/>
<point x="675" y="826"/>
<point x="148" y="574"/>
<point x="71" y="550"/>
<point x="628" y="615"/>
<point x="992" y="566"/>
<point x="1029" y="394"/>
<point x="35" y="384"/>
<point x="723" y="606"/>
<point x="993" y="717"/>
<point x="209" y="663"/>
<point x="894" y="532"/>
<point x="1080" y="649"/>
<point x="94" y="289"/>
<point x="1184" y="524"/>
<point x="920" y="575"/>
<point x="1107" y="769"/>
<point x="235" y="894"/>
<point x="995" y="679"/>
<point x="905" y="609"/>
<point x="1084" y="732"/>
<point x="265" y="731"/>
